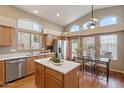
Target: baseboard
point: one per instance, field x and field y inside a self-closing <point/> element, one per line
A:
<point x="114" y="70"/>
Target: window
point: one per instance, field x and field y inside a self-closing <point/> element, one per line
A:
<point x="75" y="28"/>
<point x="84" y="26"/>
<point x="35" y="41"/>
<point x="74" y="48"/>
<point x="109" y="20"/>
<point x="28" y="39"/>
<point x="89" y="46"/>
<point x="109" y="44"/>
<point x="23" y="41"/>
<point x="30" y="25"/>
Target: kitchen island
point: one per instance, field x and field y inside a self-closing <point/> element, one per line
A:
<point x="48" y="75"/>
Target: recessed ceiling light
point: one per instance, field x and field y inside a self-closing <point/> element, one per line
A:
<point x="57" y="14"/>
<point x="35" y="11"/>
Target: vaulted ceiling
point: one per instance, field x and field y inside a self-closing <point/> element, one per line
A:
<point x="60" y="14"/>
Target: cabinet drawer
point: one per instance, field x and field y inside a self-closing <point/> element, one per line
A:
<point x="51" y="82"/>
<point x="39" y="66"/>
<point x="54" y="74"/>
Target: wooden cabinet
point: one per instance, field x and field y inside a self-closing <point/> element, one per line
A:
<point x="2" y="73"/>
<point x="49" y="78"/>
<point x="30" y="65"/>
<point x="51" y="82"/>
<point x="6" y="36"/>
<point x="39" y="76"/>
<point x="49" y="40"/>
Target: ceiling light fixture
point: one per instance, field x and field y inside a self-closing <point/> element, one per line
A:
<point x="92" y="24"/>
<point x="57" y="14"/>
<point x="35" y="11"/>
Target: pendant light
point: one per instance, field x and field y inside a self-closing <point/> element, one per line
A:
<point x="92" y="24"/>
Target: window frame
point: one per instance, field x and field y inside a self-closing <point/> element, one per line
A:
<point x="82" y="46"/>
<point x="115" y="59"/>
<point x="35" y="22"/>
<point x="73" y="26"/>
<point x="30" y="32"/>
<point x="108" y="24"/>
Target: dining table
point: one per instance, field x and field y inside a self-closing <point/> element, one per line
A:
<point x="99" y="60"/>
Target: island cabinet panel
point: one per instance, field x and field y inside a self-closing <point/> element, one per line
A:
<point x="39" y="76"/>
<point x="71" y="79"/>
<point x="30" y="65"/>
<point x="51" y="82"/>
<point x="49" y="78"/>
<point x="2" y="72"/>
<point x="54" y="74"/>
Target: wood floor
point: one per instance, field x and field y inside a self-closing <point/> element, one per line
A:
<point x="86" y="81"/>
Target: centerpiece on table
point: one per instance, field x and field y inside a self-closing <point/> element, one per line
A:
<point x="56" y="61"/>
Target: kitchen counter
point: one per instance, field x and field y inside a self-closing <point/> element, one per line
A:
<point x="21" y="55"/>
<point x="66" y="67"/>
<point x="48" y="75"/>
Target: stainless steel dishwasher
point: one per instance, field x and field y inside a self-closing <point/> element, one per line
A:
<point x="15" y="69"/>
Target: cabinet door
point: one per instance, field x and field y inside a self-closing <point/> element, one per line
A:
<point x="2" y="73"/>
<point x="30" y="65"/>
<point x="5" y="36"/>
<point x="49" y="40"/>
<point x="39" y="78"/>
<point x="51" y="82"/>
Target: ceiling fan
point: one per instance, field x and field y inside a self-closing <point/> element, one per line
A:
<point x="92" y="24"/>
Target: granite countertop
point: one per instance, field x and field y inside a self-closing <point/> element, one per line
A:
<point x="66" y="67"/>
<point x="20" y="55"/>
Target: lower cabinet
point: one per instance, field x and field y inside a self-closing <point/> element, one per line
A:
<point x="51" y="82"/>
<point x="30" y="65"/>
<point x="39" y="78"/>
<point x="2" y="72"/>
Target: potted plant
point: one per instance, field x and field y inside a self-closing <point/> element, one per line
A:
<point x="89" y="50"/>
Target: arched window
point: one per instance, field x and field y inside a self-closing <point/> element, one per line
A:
<point x="29" y="35"/>
<point x="75" y="28"/>
<point x="84" y="26"/>
<point x="29" y="24"/>
<point x="109" y="20"/>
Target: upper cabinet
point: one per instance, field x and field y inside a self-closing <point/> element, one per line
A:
<point x="49" y="40"/>
<point x="6" y="35"/>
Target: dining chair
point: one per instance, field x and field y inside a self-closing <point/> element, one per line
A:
<point x="89" y="65"/>
<point x="102" y="69"/>
<point x="79" y="60"/>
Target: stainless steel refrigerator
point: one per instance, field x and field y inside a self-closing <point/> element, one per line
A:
<point x="60" y="48"/>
